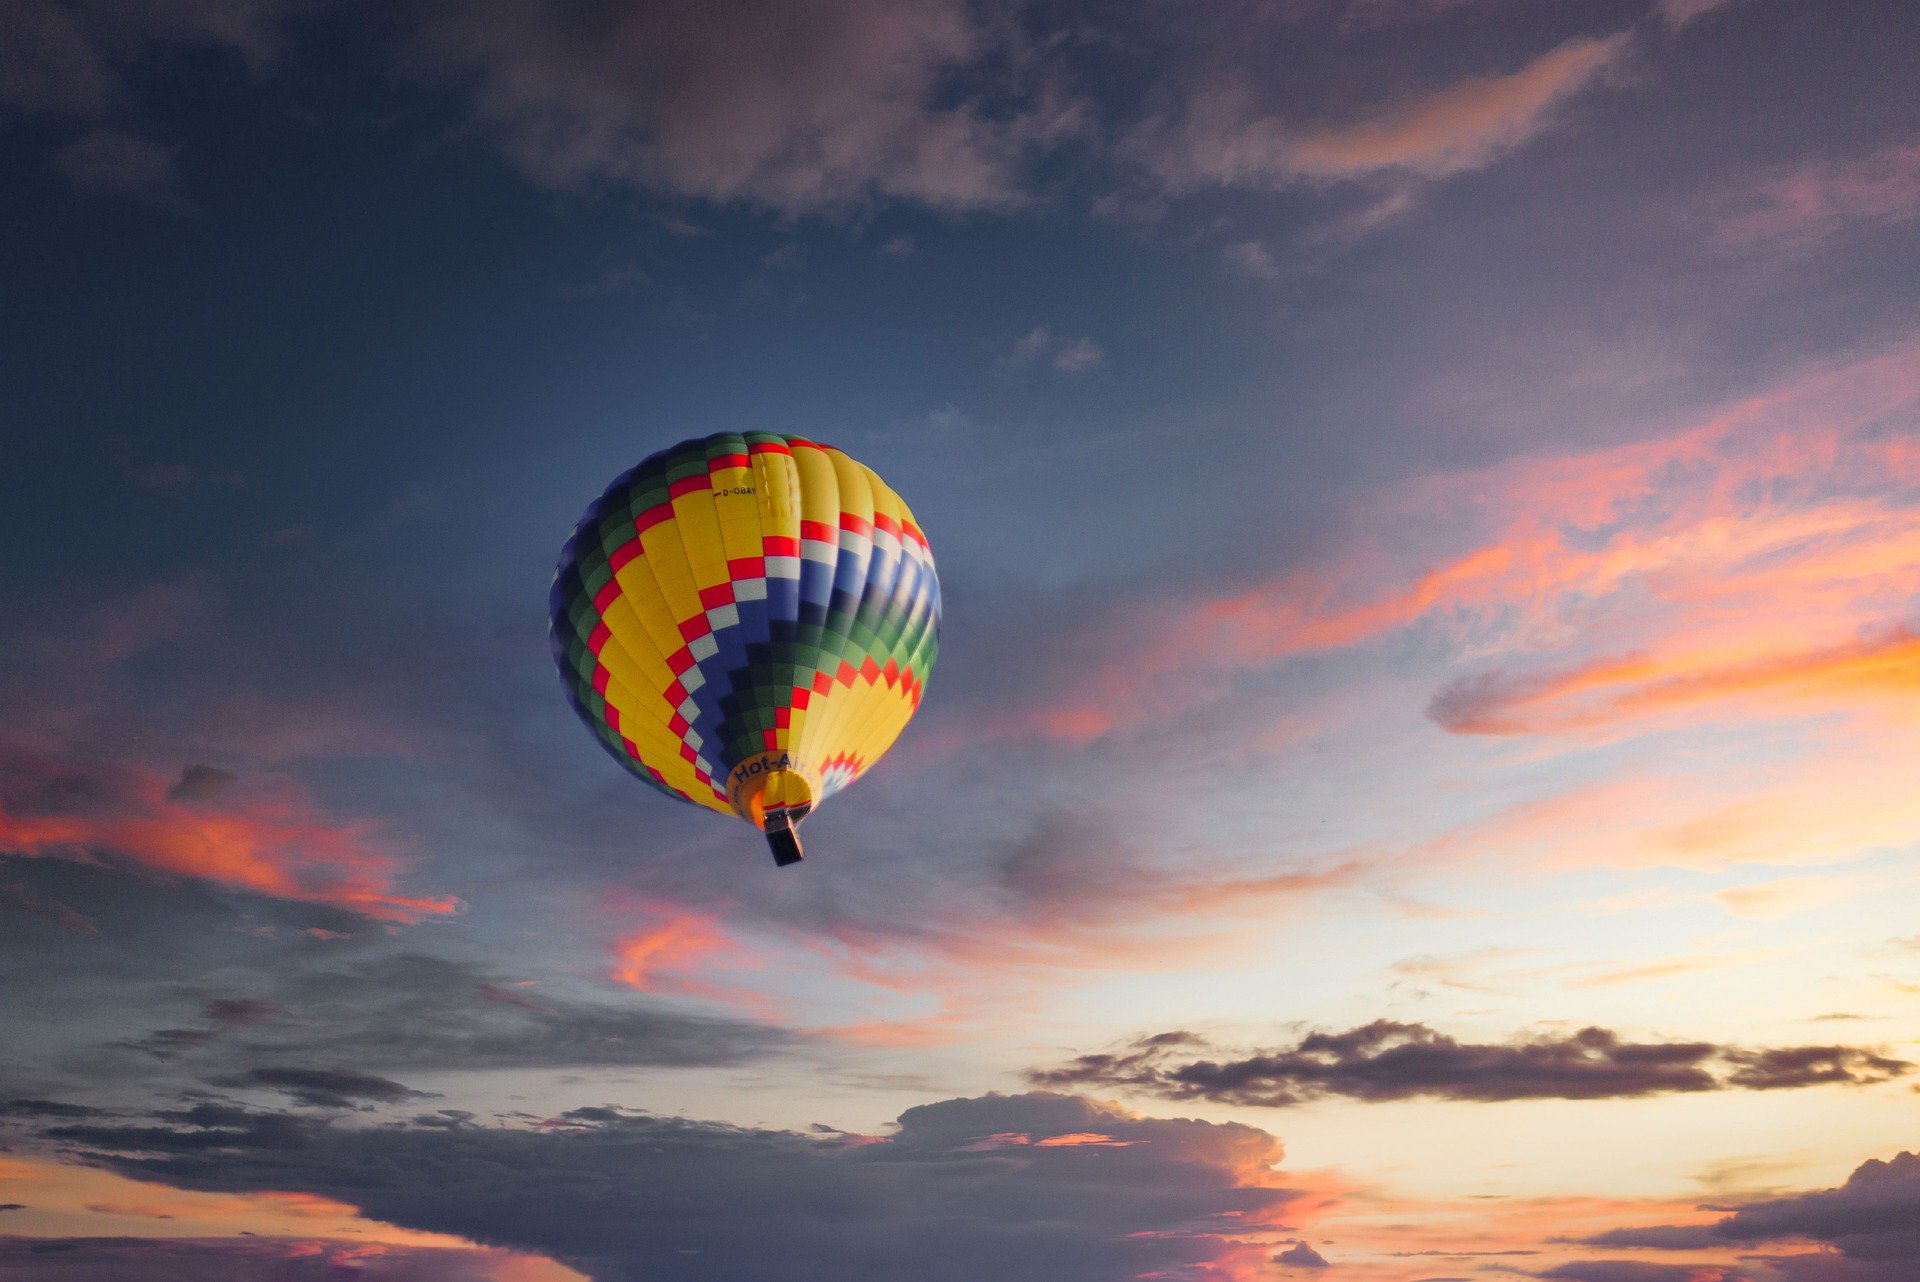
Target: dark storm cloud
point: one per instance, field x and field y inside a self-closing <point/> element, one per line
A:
<point x="22" y="901"/>
<point x="327" y="1087"/>
<point x="234" y="1259"/>
<point x="46" y="1110"/>
<point x="134" y="1010"/>
<point x="1301" y="1256"/>
<point x="423" y="1012"/>
<point x="1661" y="1237"/>
<point x="965" y="1188"/>
<point x="198" y="782"/>
<point x="415" y="1011"/>
<point x="1634" y="1271"/>
<point x="1874" y="1216"/>
<point x="1386" y="1060"/>
<point x="1872" y="1224"/>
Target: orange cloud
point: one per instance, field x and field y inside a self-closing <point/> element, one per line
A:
<point x="677" y="948"/>
<point x="681" y="939"/>
<point x="1376" y="1235"/>
<point x="985" y="961"/>
<point x="1866" y="672"/>
<point x="268" y="838"/>
<point x="1843" y="797"/>
<point x="1769" y="551"/>
<point x="1753" y="561"/>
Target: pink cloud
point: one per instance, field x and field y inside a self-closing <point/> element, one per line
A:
<point x="1221" y="137"/>
<point x="1767" y="553"/>
<point x="815" y="106"/>
<point x="1799" y="208"/>
<point x="681" y="950"/>
<point x="1749" y="564"/>
<point x="1071" y="905"/>
<point x="268" y="838"/>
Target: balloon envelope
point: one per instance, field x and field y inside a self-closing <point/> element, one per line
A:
<point x="746" y="622"/>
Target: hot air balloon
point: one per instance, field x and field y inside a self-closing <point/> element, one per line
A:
<point x="746" y="622"/>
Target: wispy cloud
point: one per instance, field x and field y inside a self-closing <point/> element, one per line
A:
<point x="1252" y="257"/>
<point x="1794" y="505"/>
<point x="1060" y="903"/>
<point x="75" y="57"/>
<point x="1222" y="136"/>
<point x="1680" y="13"/>
<point x="1042" y="346"/>
<point x="808" y="108"/>
<point x="270" y="839"/>
<point x="1819" y="201"/>
<point x="123" y="164"/>
<point x="1866" y="1224"/>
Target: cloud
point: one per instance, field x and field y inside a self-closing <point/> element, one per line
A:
<point x="1680" y="13"/>
<point x="326" y="1087"/>
<point x="1253" y="258"/>
<point x="1220" y="136"/>
<point x="1062" y="895"/>
<point x="815" y="107"/>
<point x="897" y="247"/>
<point x="1042" y="345"/>
<point x="1798" y="209"/>
<point x="1301" y="1256"/>
<point x="1386" y="1060"/>
<point x="49" y="60"/>
<point x="272" y="841"/>
<point x="198" y="782"/>
<point x="72" y="58"/>
<point x="1767" y="901"/>
<point x="1637" y="1271"/>
<point x="1615" y="689"/>
<point x="1874" y="1216"/>
<point x="1871" y="1225"/>
<point x="23" y="901"/>
<point x="1661" y="1237"/>
<point x="675" y="947"/>
<point x="1618" y="585"/>
<point x="258" y="1259"/>
<point x="625" y="1196"/>
<point x="433" y="1013"/>
<point x="121" y="164"/>
<point x="47" y="1110"/>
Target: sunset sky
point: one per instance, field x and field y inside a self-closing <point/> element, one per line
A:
<point x="1422" y="777"/>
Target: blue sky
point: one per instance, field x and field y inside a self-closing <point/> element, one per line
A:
<point x="1428" y="514"/>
